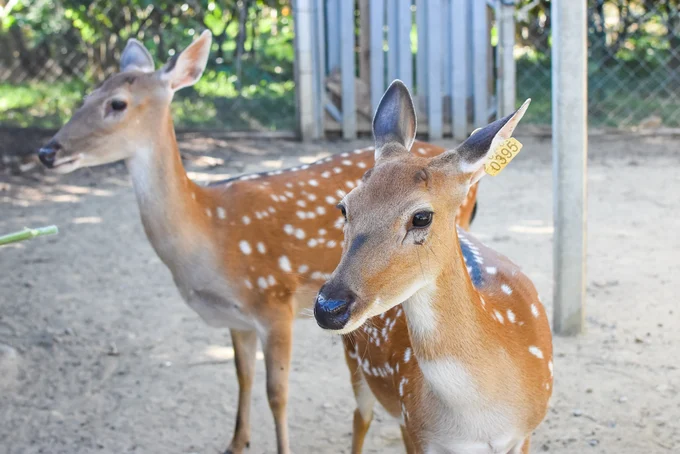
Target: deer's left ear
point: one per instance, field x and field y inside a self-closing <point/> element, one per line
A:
<point x="394" y="122"/>
<point x="186" y="68"/>
<point x="135" y="57"/>
<point x="471" y="155"/>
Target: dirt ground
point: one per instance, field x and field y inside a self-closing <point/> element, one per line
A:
<point x="98" y="353"/>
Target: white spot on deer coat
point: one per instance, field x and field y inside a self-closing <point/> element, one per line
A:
<point x="536" y="351"/>
<point x="221" y="213"/>
<point x="284" y="264"/>
<point x="246" y="220"/>
<point x="534" y="310"/>
<point x="245" y="247"/>
<point x="262" y="282"/>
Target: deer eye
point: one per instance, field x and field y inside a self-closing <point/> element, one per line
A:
<point x="343" y="210"/>
<point x="422" y="219"/>
<point x="118" y="106"/>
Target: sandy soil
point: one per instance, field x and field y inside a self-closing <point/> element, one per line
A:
<point x="98" y="353"/>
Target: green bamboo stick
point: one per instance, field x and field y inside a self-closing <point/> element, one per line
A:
<point x="28" y="234"/>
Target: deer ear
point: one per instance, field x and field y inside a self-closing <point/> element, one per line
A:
<point x="135" y="57"/>
<point x="471" y="155"/>
<point x="394" y="123"/>
<point x="186" y="68"/>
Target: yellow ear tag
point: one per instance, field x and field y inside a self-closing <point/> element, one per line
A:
<point x="505" y="153"/>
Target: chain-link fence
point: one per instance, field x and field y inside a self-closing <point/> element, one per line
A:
<point x="633" y="62"/>
<point x="52" y="52"/>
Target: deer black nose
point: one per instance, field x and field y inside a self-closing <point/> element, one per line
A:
<point x="332" y="309"/>
<point x="48" y="153"/>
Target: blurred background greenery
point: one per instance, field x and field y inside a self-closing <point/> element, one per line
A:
<point x="52" y="52"/>
<point x="633" y="62"/>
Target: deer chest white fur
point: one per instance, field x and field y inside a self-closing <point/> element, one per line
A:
<point x="464" y="420"/>
<point x="207" y="291"/>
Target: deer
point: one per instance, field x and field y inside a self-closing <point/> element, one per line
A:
<point x="248" y="253"/>
<point x="449" y="336"/>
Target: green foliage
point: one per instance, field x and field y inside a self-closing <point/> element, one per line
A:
<point x="251" y="64"/>
<point x="633" y="61"/>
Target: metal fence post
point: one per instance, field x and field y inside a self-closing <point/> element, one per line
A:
<point x="304" y="69"/>
<point x="435" y="105"/>
<point x="459" y="60"/>
<point x="377" y="16"/>
<point x="506" y="59"/>
<point x="570" y="145"/>
<point x="480" y="55"/>
<point x="347" y="70"/>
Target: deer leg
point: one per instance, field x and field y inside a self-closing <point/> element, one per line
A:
<point x="277" y="355"/>
<point x="408" y="443"/>
<point x="363" y="414"/>
<point x="526" y="445"/>
<point x="521" y="448"/>
<point x="245" y="348"/>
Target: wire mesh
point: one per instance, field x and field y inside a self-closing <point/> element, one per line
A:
<point x="633" y="62"/>
<point x="53" y="52"/>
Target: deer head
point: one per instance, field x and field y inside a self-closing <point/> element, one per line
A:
<point x="400" y="228"/>
<point x="126" y="112"/>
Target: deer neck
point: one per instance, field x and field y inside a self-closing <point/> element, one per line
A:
<point x="445" y="318"/>
<point x="168" y="200"/>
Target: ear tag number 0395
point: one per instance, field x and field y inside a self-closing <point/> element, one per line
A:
<point x="507" y="150"/>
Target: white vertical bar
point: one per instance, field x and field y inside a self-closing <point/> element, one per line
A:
<point x="421" y="57"/>
<point x="320" y="68"/>
<point x="333" y="27"/>
<point x="434" y="74"/>
<point x="347" y="70"/>
<point x="570" y="153"/>
<point x="506" y="58"/>
<point x="304" y="61"/>
<point x="459" y="79"/>
<point x="377" y="16"/>
<point x="392" y="39"/>
<point x="445" y="12"/>
<point x="480" y="42"/>
<point x="405" y="58"/>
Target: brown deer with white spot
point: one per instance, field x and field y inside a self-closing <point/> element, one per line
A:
<point x="246" y="254"/>
<point x="448" y="335"/>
